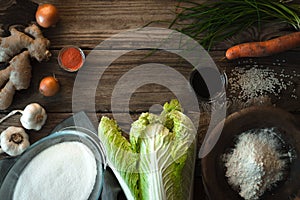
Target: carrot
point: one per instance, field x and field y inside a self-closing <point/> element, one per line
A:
<point x="266" y="48"/>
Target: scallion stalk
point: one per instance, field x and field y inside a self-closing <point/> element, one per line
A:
<point x="212" y="22"/>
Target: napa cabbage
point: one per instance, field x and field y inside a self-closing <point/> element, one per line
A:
<point x="157" y="160"/>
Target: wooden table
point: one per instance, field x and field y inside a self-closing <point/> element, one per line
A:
<point x="87" y="23"/>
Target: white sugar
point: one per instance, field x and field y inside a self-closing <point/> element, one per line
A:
<point x="64" y="171"/>
<point x="255" y="163"/>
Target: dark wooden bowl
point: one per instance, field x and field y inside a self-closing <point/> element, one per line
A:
<point x="212" y="166"/>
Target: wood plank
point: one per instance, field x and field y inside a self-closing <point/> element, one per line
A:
<point x="16" y="12"/>
<point x="102" y="19"/>
<point x="118" y="16"/>
<point x="53" y="119"/>
<point x="86" y="24"/>
<point x="63" y="101"/>
<point x="146" y="96"/>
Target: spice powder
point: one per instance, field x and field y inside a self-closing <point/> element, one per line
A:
<point x="71" y="59"/>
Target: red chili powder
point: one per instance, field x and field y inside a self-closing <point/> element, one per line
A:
<point x="71" y="59"/>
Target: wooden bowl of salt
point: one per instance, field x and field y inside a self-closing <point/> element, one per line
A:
<point x="221" y="175"/>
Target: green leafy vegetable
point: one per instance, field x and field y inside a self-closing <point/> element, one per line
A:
<point x="158" y="160"/>
<point x="120" y="154"/>
<point x="214" y="21"/>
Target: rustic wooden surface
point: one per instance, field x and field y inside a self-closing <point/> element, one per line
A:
<point x="88" y="23"/>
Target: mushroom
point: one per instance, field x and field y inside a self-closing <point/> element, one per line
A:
<point x="14" y="141"/>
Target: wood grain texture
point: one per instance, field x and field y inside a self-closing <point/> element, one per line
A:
<point x="88" y="23"/>
<point x="143" y="97"/>
<point x="54" y="119"/>
<point x="13" y="12"/>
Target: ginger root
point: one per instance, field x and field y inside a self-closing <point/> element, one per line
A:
<point x="37" y="45"/>
<point x="15" y="77"/>
<point x="18" y="74"/>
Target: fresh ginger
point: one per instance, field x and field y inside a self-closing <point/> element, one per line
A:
<point x="18" y="74"/>
<point x="37" y="45"/>
<point x="15" y="77"/>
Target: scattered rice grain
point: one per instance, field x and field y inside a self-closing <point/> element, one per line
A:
<point x="253" y="81"/>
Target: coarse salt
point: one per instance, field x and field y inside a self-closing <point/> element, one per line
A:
<point x="255" y="164"/>
<point x="63" y="171"/>
<point x="252" y="81"/>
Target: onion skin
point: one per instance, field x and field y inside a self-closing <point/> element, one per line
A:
<point x="46" y="15"/>
<point x="49" y="86"/>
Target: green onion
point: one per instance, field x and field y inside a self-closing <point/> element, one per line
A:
<point x="212" y="22"/>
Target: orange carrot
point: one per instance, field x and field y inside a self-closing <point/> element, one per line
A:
<point x="266" y="48"/>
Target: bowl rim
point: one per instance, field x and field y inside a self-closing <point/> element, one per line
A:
<point x="214" y="181"/>
<point x="11" y="178"/>
<point x="62" y="50"/>
<point x="223" y="77"/>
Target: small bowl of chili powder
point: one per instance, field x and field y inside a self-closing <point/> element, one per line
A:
<point x="71" y="58"/>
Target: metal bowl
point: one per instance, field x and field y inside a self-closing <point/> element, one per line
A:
<point x="212" y="166"/>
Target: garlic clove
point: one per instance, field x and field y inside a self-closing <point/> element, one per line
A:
<point x="33" y="117"/>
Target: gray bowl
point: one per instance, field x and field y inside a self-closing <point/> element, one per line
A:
<point x="69" y="134"/>
<point x="212" y="166"/>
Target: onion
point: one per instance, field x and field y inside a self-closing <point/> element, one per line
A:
<point x="46" y="15"/>
<point x="49" y="86"/>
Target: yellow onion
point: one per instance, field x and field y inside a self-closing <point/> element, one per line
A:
<point x="49" y="86"/>
<point x="46" y="15"/>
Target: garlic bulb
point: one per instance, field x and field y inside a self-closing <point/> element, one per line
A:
<point x="33" y="117"/>
<point x="14" y="141"/>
